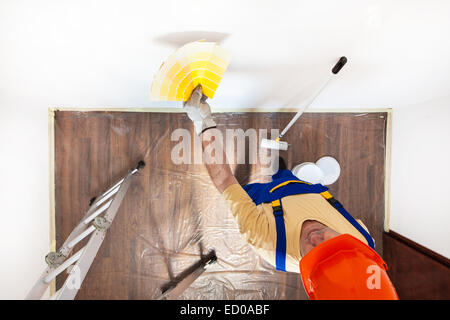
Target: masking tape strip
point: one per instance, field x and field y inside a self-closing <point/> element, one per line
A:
<point x="387" y="172"/>
<point x="51" y="179"/>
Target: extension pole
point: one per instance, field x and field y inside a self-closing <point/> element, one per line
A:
<point x="342" y="61"/>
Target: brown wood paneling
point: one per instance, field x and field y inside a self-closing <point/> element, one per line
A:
<point x="415" y="271"/>
<point x="172" y="212"/>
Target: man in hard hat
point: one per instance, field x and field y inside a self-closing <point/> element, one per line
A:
<point x="288" y="221"/>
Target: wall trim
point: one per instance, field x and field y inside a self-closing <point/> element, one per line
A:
<point x="51" y="179"/>
<point x="387" y="172"/>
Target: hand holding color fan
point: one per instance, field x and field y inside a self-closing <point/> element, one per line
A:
<point x="196" y="63"/>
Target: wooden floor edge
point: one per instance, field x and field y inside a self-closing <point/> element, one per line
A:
<point x="223" y="110"/>
<point x="51" y="153"/>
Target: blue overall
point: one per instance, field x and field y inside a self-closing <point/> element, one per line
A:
<point x="284" y="184"/>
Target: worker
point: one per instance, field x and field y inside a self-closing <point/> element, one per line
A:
<point x="296" y="226"/>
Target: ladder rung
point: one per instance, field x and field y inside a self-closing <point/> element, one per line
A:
<point x="108" y="193"/>
<point x="97" y="212"/>
<point x="80" y="237"/>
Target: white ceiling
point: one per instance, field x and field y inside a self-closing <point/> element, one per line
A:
<point x="104" y="53"/>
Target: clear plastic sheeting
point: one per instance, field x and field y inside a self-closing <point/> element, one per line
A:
<point x="172" y="212"/>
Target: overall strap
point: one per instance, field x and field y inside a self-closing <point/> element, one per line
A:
<point x="338" y="206"/>
<point x="283" y="184"/>
<point x="280" y="257"/>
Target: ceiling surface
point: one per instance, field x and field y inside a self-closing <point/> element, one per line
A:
<point x="105" y="53"/>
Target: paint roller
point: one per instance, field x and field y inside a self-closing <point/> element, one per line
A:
<point x="282" y="145"/>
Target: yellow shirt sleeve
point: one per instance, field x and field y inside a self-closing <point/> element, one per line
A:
<point x="253" y="222"/>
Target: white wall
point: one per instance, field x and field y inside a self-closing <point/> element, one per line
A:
<point x="421" y="173"/>
<point x="104" y="54"/>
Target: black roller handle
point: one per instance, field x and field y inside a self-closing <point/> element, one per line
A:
<point x="140" y="165"/>
<point x="342" y="61"/>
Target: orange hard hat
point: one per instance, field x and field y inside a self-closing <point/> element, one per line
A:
<point x="345" y="268"/>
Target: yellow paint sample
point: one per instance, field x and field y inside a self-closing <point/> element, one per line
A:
<point x="196" y="63"/>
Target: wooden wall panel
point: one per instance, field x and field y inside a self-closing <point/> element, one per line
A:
<point x="172" y="212"/>
<point x="415" y="271"/>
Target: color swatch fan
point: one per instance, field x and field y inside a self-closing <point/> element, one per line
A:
<point x="195" y="63"/>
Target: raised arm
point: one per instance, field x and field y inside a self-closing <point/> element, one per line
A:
<point x="253" y="223"/>
<point x="218" y="168"/>
<point x="199" y="112"/>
